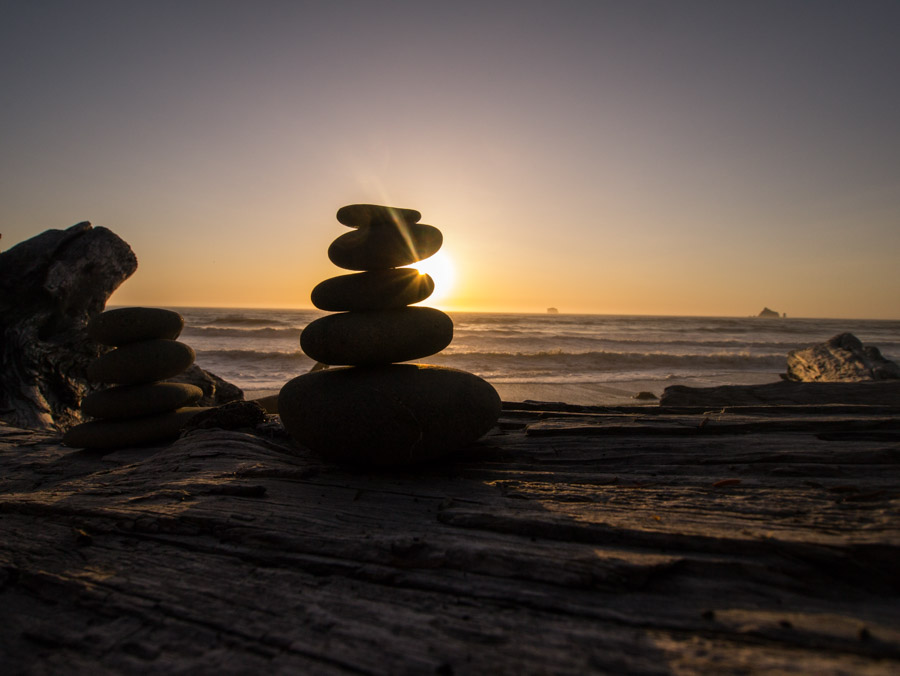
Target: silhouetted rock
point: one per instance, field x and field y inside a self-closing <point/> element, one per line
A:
<point x="377" y="336"/>
<point x="138" y="363"/>
<point x="399" y="414"/>
<point x="379" y="248"/>
<point x="134" y="401"/>
<point x="216" y="391"/>
<point x="231" y="416"/>
<point x="842" y="358"/>
<point x="378" y="412"/>
<point x="766" y="312"/>
<point x="142" y="362"/>
<point x="362" y="215"/>
<point x="374" y="290"/>
<point x="51" y="286"/>
<point x="142" y="409"/>
<point x="132" y="324"/>
<point x="110" y="434"/>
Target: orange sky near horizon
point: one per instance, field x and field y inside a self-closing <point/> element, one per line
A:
<point x="659" y="158"/>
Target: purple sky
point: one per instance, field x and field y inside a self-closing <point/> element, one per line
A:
<point x="629" y="157"/>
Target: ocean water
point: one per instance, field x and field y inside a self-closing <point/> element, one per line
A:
<point x="582" y="359"/>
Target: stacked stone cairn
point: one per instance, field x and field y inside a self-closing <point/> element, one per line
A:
<point x="375" y="411"/>
<point x="138" y="409"/>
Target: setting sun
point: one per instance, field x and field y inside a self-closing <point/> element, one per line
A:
<point x="442" y="271"/>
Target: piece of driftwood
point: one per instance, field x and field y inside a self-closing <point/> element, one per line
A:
<point x="51" y="286"/>
<point x="570" y="540"/>
<point x="785" y="393"/>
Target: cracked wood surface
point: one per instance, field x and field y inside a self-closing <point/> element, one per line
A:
<point x="570" y="540"/>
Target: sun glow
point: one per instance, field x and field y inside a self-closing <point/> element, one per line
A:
<point x="442" y="271"/>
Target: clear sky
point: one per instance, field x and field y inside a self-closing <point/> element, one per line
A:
<point x="631" y="157"/>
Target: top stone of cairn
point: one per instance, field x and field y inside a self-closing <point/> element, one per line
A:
<point x="132" y="324"/>
<point x="363" y="215"/>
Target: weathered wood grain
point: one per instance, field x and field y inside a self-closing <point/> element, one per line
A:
<point x="555" y="545"/>
<point x="786" y="393"/>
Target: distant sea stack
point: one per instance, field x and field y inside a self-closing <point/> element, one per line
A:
<point x="552" y="311"/>
<point x="766" y="312"/>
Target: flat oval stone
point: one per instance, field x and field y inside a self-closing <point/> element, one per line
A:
<point x="385" y="247"/>
<point x="362" y="215"/>
<point x="400" y="414"/>
<point x="142" y="362"/>
<point x="133" y="401"/>
<point x="131" y="324"/>
<point x="374" y="290"/>
<point x="110" y="434"/>
<point x="377" y="336"/>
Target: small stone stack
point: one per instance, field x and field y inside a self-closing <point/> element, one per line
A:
<point x="376" y="411"/>
<point x="138" y="409"/>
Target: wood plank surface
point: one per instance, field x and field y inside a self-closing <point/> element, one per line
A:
<point x="570" y="540"/>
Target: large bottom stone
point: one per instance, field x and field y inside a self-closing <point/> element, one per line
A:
<point x="109" y="434"/>
<point x="133" y="401"/>
<point x="399" y="414"/>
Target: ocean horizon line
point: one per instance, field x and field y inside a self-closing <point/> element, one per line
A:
<point x="515" y="312"/>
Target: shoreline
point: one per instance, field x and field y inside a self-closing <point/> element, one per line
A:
<point x="622" y="393"/>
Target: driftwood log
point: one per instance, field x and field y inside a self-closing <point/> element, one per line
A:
<point x="51" y="286"/>
<point x="570" y="540"/>
<point x="785" y="393"/>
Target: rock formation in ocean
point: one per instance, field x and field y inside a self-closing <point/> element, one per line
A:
<point x="842" y="358"/>
<point x="376" y="411"/>
<point x="51" y="286"/>
<point x="766" y="312"/>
